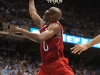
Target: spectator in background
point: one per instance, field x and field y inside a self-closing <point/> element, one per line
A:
<point x="74" y="17"/>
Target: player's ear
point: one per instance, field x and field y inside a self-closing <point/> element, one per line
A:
<point x="52" y="16"/>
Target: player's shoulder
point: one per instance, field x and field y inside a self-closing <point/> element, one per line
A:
<point x="54" y="26"/>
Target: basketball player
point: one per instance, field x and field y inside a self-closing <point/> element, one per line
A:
<point x="83" y="47"/>
<point x="50" y="37"/>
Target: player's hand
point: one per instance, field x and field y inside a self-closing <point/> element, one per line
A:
<point x="14" y="30"/>
<point x="79" y="48"/>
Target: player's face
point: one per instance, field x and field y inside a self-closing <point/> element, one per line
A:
<point x="47" y="15"/>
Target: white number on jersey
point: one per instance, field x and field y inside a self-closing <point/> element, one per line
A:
<point x="45" y="46"/>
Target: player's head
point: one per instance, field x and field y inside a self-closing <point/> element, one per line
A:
<point x="52" y="14"/>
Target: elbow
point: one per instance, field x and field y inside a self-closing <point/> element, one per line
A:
<point x="39" y="40"/>
<point x="30" y="11"/>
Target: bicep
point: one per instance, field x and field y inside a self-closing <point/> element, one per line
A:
<point x="49" y="33"/>
<point x="36" y="18"/>
<point x="46" y="35"/>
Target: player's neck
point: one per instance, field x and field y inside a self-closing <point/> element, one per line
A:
<point x="47" y="23"/>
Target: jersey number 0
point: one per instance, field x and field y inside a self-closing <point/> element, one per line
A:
<point x="45" y="46"/>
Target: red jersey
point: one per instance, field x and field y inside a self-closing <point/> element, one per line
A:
<point x="51" y="49"/>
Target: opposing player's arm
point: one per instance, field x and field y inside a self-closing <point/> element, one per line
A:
<point x="82" y="47"/>
<point x="33" y="13"/>
<point x="52" y="30"/>
<point x="94" y="41"/>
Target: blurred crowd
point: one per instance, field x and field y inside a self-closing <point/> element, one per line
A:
<point x="13" y="63"/>
<point x="25" y="63"/>
<point x="85" y="67"/>
<point x="77" y="19"/>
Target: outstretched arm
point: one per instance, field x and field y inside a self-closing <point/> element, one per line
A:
<point x="52" y="30"/>
<point x="82" y="47"/>
<point x="33" y="13"/>
<point x="94" y="41"/>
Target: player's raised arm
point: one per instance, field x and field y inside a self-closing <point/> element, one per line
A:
<point x="33" y="13"/>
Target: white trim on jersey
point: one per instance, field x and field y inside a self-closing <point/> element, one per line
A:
<point x="61" y="58"/>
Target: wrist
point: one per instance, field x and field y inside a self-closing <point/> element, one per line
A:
<point x="20" y="30"/>
<point x="88" y="46"/>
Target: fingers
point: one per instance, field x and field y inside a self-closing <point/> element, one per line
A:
<point x="80" y="52"/>
<point x="11" y="30"/>
<point x="76" y="49"/>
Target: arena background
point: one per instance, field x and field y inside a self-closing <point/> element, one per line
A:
<point x="85" y="24"/>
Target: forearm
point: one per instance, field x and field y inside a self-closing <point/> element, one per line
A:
<point x="94" y="41"/>
<point x="33" y="13"/>
<point x="32" y="6"/>
<point x="32" y="36"/>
